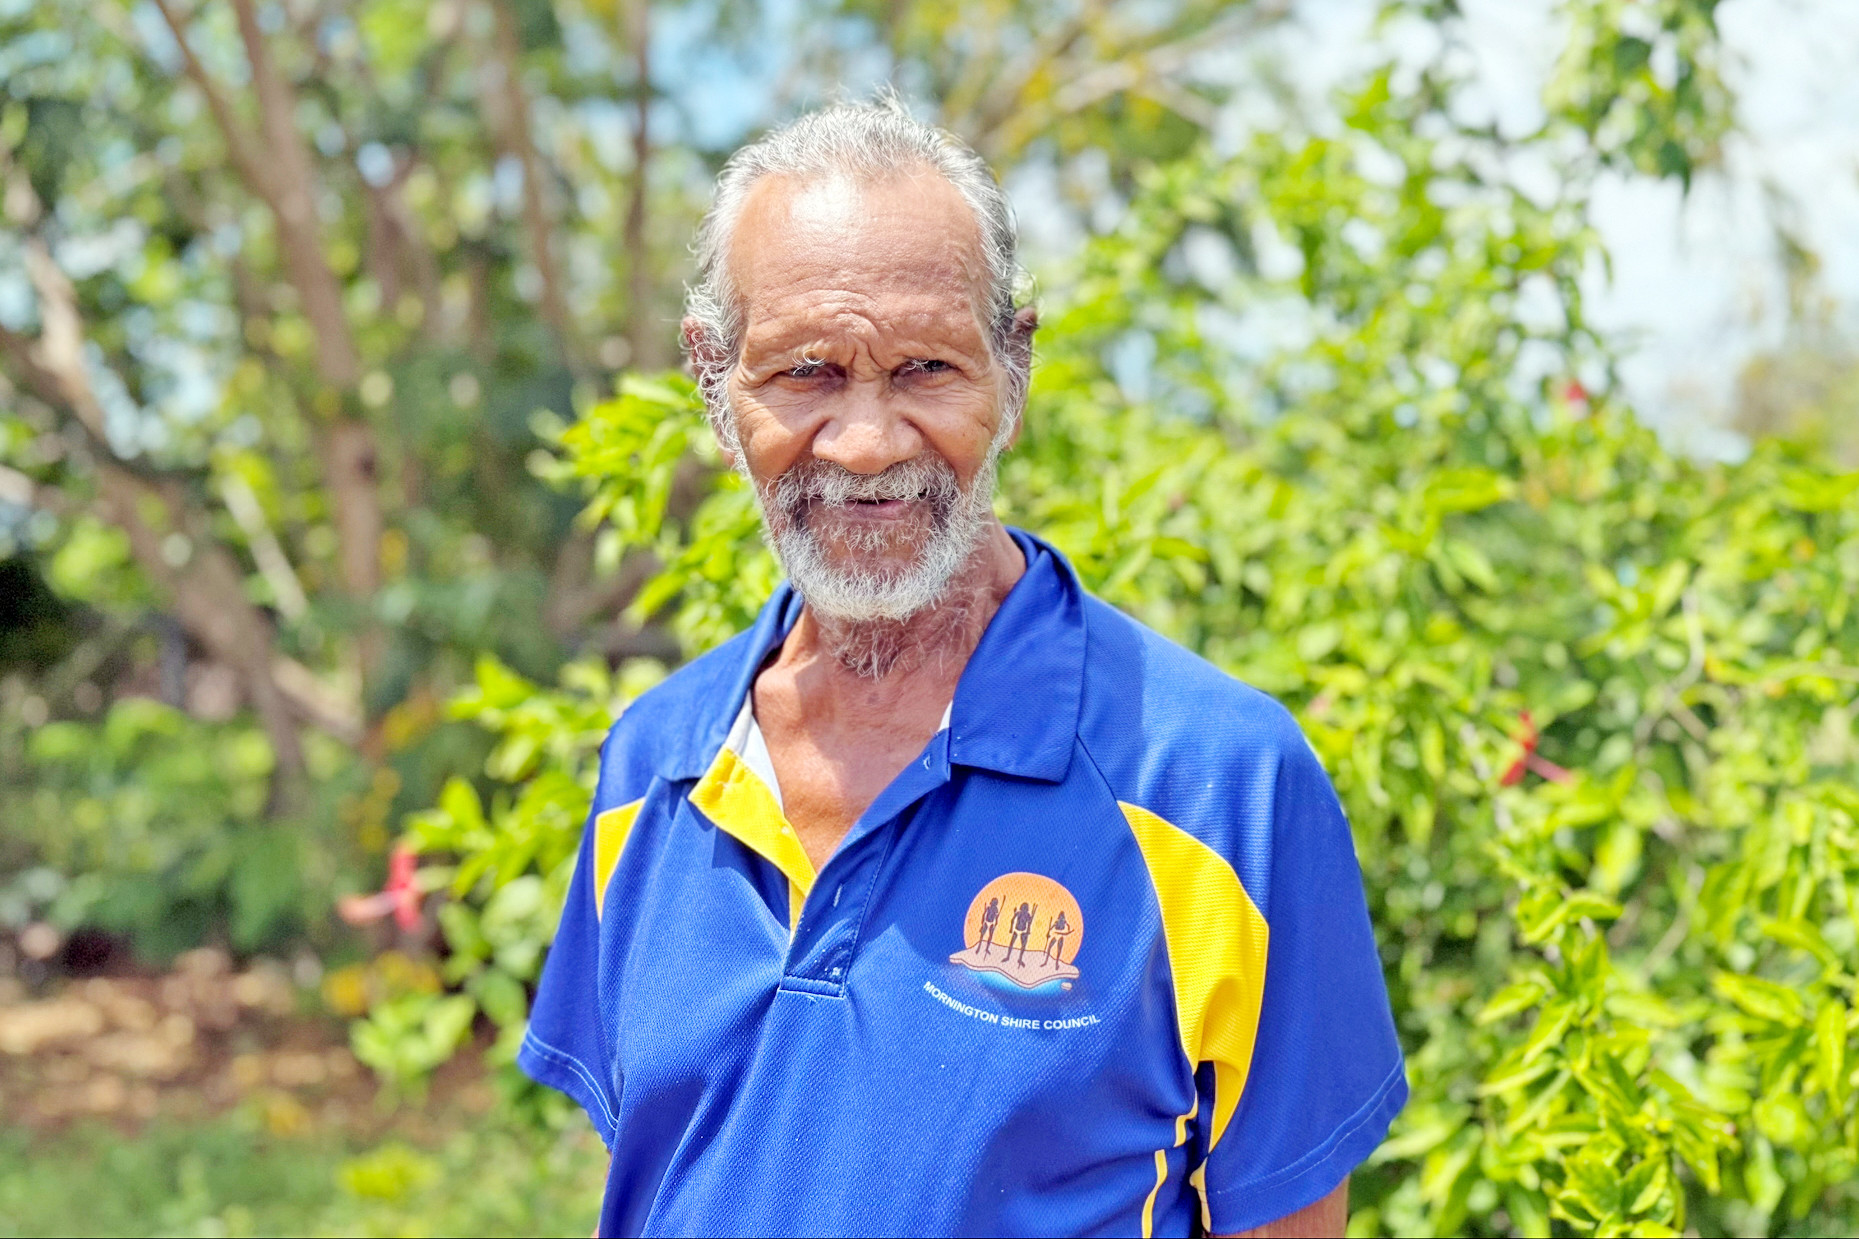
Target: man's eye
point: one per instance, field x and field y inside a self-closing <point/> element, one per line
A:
<point x="806" y="369"/>
<point x="924" y="365"/>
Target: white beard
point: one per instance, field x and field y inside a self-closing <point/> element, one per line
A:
<point x="841" y="587"/>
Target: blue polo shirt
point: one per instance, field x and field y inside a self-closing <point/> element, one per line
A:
<point x="1097" y="962"/>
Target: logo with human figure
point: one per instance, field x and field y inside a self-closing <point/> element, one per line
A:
<point x="1025" y="928"/>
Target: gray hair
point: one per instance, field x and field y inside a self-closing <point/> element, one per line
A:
<point x="869" y="141"/>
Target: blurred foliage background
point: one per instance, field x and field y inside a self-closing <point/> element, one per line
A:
<point x="347" y="492"/>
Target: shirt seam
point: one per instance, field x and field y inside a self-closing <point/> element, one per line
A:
<point x="565" y="1059"/>
<point x="1188" y="1065"/>
<point x="1315" y="1157"/>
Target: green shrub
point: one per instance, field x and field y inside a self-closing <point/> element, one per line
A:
<point x="513" y="861"/>
<point x="153" y="825"/>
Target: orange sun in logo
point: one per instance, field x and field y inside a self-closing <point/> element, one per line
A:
<point x="1024" y="927"/>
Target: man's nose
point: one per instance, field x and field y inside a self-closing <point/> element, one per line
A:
<point x="865" y="432"/>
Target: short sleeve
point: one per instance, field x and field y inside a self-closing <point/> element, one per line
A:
<point x="1326" y="1076"/>
<point x="566" y="1045"/>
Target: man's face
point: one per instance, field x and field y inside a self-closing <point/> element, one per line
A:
<point x="867" y="400"/>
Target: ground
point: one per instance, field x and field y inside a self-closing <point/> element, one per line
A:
<point x="210" y="1100"/>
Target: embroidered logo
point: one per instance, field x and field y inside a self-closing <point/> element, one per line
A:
<point x="1025" y="929"/>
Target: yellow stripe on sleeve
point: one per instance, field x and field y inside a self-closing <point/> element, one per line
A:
<point x="1161" y="1173"/>
<point x="1216" y="950"/>
<point x="1161" y="1167"/>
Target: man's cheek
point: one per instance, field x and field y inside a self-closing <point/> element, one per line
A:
<point x="972" y="422"/>
<point x="769" y="449"/>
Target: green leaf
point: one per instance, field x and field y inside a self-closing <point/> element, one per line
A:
<point x="460" y="925"/>
<point x="1802" y="936"/>
<point x="1765" y="1000"/>
<point x="501" y="996"/>
<point x="1830" y="1034"/>
<point x="1550" y="1025"/>
<point x="458" y="800"/>
<point x="1513" y="1073"/>
<point x="1510" y="1000"/>
<point x="1473" y="565"/>
<point x="1465" y="490"/>
<point x="1815" y="492"/>
<point x="1783" y="1119"/>
<point x="1550" y="914"/>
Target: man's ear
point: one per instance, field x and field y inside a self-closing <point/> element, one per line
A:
<point x="706" y="356"/>
<point x="702" y="349"/>
<point x="1025" y="323"/>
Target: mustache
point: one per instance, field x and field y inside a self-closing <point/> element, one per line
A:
<point x="822" y="483"/>
<point x="935" y="547"/>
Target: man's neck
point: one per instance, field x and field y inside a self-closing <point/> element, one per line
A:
<point x="844" y="707"/>
<point x="885" y="657"/>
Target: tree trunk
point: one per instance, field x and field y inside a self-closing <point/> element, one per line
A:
<point x="642" y="333"/>
<point x="351" y="466"/>
<point x="518" y="140"/>
<point x="285" y="180"/>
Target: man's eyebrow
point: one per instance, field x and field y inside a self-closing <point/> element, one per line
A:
<point x="781" y="346"/>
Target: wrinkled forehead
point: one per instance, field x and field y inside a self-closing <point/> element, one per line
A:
<point x="903" y="237"/>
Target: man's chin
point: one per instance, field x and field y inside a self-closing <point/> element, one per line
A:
<point x="864" y="586"/>
<point x="882" y="571"/>
<point x="862" y="546"/>
<point x="855" y="568"/>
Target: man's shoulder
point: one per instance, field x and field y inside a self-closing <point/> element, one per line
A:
<point x="1176" y="736"/>
<point x="1150" y="691"/>
<point x="664" y="728"/>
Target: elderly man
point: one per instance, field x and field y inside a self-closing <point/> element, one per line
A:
<point x="800" y="984"/>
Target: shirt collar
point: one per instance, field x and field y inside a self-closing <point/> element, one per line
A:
<point x="1016" y="706"/>
<point x="1017" y="703"/>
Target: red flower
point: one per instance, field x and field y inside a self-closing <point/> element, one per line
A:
<point x="1528" y="759"/>
<point x="400" y="896"/>
<point x="401" y="867"/>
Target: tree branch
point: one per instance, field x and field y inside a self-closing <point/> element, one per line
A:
<point x="644" y="341"/>
<point x="207" y="591"/>
<point x="985" y="104"/>
<point x="517" y="139"/>
<point x="1004" y="119"/>
<point x="397" y="252"/>
<point x="285" y="181"/>
<point x="198" y="573"/>
<point x="347" y="444"/>
<point x="241" y="146"/>
<point x="336" y="713"/>
<point x="57" y="359"/>
<point x="293" y="203"/>
<point x="272" y="563"/>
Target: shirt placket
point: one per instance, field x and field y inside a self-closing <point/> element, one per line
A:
<point x="826" y="939"/>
